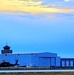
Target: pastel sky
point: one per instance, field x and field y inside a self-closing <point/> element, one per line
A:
<point x="38" y="26"/>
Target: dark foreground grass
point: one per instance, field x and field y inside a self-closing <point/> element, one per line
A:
<point x="70" y="73"/>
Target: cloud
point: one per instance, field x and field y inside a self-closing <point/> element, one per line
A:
<point x="29" y="7"/>
<point x="66" y="0"/>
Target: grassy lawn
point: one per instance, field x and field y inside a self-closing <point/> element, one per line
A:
<point x="70" y="73"/>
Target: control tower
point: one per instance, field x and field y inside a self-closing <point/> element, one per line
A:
<point x="6" y="50"/>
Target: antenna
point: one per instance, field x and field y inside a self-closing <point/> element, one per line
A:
<point x="6" y="42"/>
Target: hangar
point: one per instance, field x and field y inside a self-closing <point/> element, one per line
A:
<point x="44" y="59"/>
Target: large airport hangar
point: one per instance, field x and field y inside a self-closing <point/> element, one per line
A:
<point x="44" y="59"/>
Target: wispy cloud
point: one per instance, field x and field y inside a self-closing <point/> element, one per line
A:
<point x="30" y="7"/>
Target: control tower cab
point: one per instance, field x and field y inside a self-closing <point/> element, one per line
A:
<point x="6" y="50"/>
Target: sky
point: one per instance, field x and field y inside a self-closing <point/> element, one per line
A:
<point x="38" y="26"/>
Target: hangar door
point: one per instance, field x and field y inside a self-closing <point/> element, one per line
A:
<point x="44" y="62"/>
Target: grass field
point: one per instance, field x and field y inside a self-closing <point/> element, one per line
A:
<point x="70" y="73"/>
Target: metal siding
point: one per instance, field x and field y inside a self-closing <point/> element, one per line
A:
<point x="44" y="59"/>
<point x="47" y="54"/>
<point x="35" y="60"/>
<point x="32" y="59"/>
<point x="44" y="62"/>
<point x="58" y="61"/>
<point x="41" y="62"/>
<point x="1" y="58"/>
<point x="53" y="63"/>
<point x="24" y="60"/>
<point x="47" y="62"/>
<point x="7" y="58"/>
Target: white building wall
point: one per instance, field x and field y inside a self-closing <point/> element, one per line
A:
<point x="24" y="59"/>
<point x="8" y="58"/>
<point x="32" y="59"/>
<point x="35" y="60"/>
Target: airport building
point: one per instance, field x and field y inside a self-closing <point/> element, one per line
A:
<point x="45" y="59"/>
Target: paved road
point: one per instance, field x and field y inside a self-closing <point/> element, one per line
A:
<point x="24" y="71"/>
